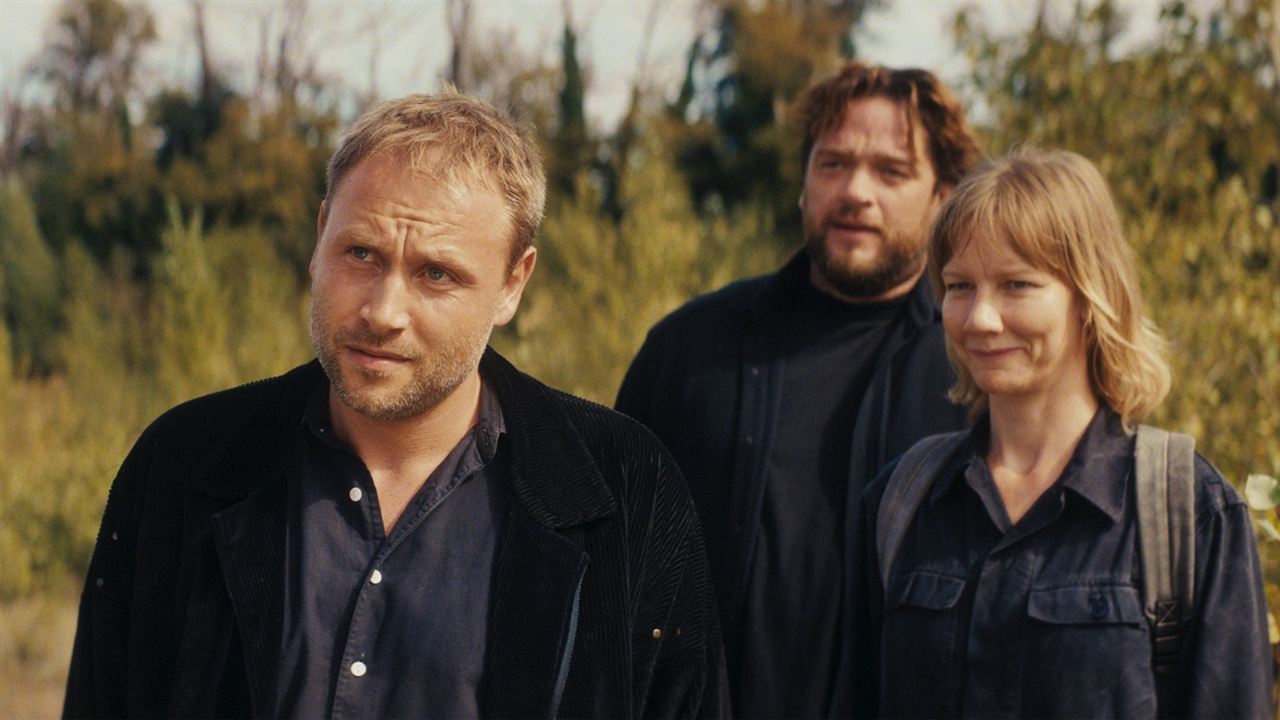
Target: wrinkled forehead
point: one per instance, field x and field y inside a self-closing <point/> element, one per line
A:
<point x="893" y="122"/>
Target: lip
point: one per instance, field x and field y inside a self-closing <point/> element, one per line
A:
<point x="994" y="354"/>
<point x="373" y="357"/>
<point x="854" y="228"/>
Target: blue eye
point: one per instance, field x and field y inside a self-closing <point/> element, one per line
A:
<point x="360" y="253"/>
<point x="435" y="274"/>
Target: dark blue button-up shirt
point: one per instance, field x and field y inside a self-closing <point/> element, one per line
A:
<point x="389" y="625"/>
<point x="1043" y="617"/>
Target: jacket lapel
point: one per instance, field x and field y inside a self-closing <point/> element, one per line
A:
<point x="540" y="565"/>
<point x="246" y="495"/>
<point x="537" y="576"/>
<point x="250" y="541"/>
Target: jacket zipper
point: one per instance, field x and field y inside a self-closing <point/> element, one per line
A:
<point x="567" y="654"/>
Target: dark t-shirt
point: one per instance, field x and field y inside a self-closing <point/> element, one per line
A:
<point x="791" y="624"/>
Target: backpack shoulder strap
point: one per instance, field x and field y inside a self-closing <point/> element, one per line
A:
<point x="1164" y="469"/>
<point x="911" y="480"/>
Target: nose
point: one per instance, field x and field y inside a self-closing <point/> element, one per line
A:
<point x="984" y="316"/>
<point x="386" y="309"/>
<point x="858" y="189"/>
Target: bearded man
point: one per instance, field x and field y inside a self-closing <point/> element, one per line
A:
<point x="781" y="397"/>
<point x="408" y="526"/>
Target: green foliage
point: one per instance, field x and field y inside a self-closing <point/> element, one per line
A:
<point x="191" y="313"/>
<point x="222" y="309"/>
<point x="600" y="284"/>
<point x="29" y="294"/>
<point x="262" y="169"/>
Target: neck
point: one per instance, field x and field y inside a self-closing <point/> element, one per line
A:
<point x="1036" y="435"/>
<point x="398" y="444"/>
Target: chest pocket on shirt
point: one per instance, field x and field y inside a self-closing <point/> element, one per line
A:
<point x="1088" y="652"/>
<point x="1086" y="605"/>
<point x="919" y="643"/>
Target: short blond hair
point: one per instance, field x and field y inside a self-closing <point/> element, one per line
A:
<point x="453" y="138"/>
<point x="1054" y="210"/>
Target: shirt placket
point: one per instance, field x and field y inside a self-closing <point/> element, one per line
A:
<point x="998" y="623"/>
<point x="358" y="659"/>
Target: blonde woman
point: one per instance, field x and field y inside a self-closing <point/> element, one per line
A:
<point x="1015" y="583"/>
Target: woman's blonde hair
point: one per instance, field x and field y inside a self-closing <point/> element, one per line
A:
<point x="1054" y="210"/>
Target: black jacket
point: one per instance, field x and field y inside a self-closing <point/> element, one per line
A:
<point x="707" y="381"/>
<point x="600" y="606"/>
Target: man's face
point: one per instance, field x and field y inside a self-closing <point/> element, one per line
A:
<point x="867" y="203"/>
<point x="408" y="278"/>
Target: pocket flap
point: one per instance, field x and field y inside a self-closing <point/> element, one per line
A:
<point x="1086" y="604"/>
<point x="926" y="590"/>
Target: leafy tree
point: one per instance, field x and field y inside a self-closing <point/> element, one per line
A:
<point x="93" y="54"/>
<point x="30" y="293"/>
<point x="600" y="283"/>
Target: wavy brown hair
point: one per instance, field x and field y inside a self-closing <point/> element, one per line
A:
<point x="1054" y="210"/>
<point x="952" y="149"/>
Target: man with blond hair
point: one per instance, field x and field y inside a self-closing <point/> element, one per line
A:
<point x="407" y="526"/>
<point x="782" y="396"/>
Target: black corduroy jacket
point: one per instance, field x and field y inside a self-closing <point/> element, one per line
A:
<point x="601" y="605"/>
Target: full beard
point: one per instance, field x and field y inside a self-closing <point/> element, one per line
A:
<point x="900" y="257"/>
<point x="434" y="377"/>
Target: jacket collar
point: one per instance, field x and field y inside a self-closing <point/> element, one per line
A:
<point x="783" y="285"/>
<point x="554" y="474"/>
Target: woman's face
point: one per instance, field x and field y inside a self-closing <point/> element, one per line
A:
<point x="1017" y="329"/>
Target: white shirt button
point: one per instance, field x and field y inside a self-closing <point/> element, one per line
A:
<point x="375" y="577"/>
<point x="355" y="494"/>
<point x="359" y="669"/>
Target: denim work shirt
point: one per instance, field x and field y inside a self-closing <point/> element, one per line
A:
<point x="380" y="624"/>
<point x="1044" y="617"/>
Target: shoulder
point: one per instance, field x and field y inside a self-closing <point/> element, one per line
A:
<point x="190" y="431"/>
<point x="727" y="304"/>
<point x="1214" y="495"/>
<point x="933" y="455"/>
<point x="615" y="440"/>
<point x="228" y="408"/>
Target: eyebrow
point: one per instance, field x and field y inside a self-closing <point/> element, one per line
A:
<point x="875" y="157"/>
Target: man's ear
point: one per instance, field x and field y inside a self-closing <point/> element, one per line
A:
<point x="513" y="288"/>
<point x="322" y="217"/>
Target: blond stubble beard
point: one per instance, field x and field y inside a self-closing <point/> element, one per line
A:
<point x="435" y="374"/>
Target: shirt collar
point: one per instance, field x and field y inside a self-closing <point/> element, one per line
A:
<point x="1100" y="466"/>
<point x="1096" y="472"/>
